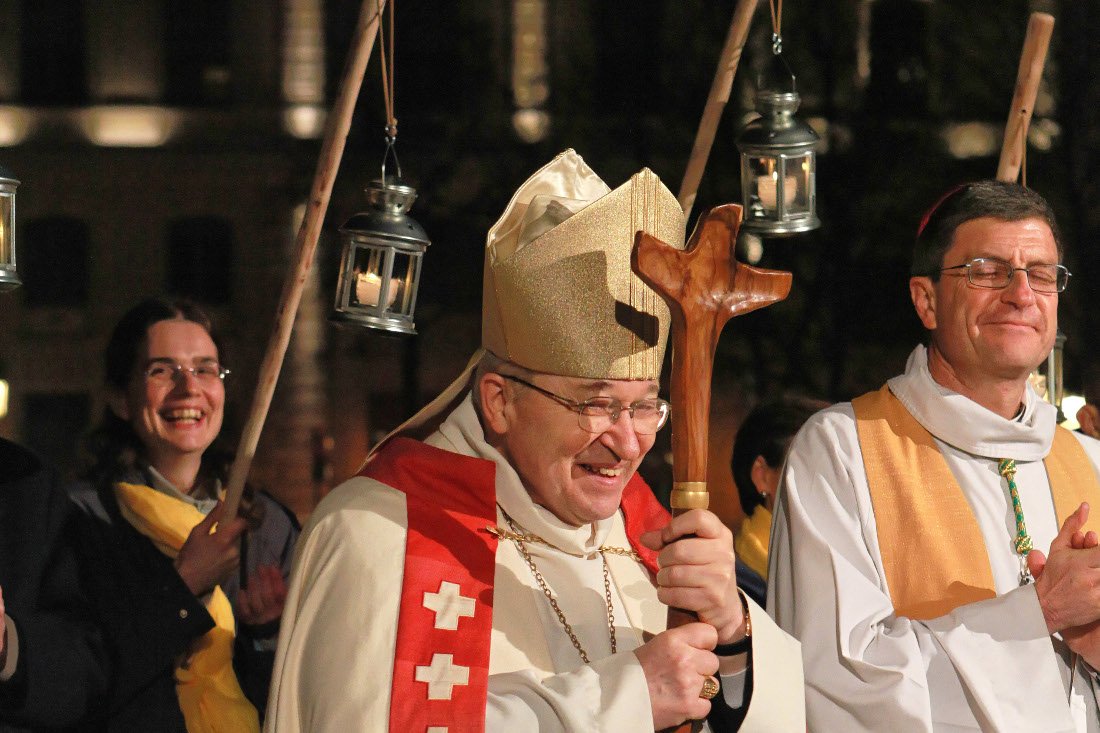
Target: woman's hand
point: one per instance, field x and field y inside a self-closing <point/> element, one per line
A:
<point x="261" y="601"/>
<point x="206" y="559"/>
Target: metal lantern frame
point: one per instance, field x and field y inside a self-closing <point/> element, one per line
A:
<point x="778" y="157"/>
<point x="778" y="168"/>
<point x="9" y="275"/>
<point x="380" y="265"/>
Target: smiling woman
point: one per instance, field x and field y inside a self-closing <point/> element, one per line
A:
<point x="171" y="594"/>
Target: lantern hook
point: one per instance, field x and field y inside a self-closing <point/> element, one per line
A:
<point x="391" y="150"/>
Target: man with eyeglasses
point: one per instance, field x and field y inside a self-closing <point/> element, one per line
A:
<point x="930" y="549"/>
<point x="499" y="565"/>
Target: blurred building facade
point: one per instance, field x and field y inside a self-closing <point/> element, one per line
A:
<point x="167" y="146"/>
<point x="163" y="147"/>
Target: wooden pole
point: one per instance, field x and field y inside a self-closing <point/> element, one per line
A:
<point x="1032" y="58"/>
<point x="716" y="102"/>
<point x="332" y="150"/>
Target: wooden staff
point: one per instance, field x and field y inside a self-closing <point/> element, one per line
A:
<point x="332" y="150"/>
<point x="716" y="101"/>
<point x="704" y="287"/>
<point x="1032" y="58"/>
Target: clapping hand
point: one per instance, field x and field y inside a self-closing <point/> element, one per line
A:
<point x="261" y="601"/>
<point x="1083" y="638"/>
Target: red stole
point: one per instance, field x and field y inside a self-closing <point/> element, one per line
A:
<point x="451" y="499"/>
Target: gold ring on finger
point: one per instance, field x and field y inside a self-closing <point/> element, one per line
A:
<point x="710" y="688"/>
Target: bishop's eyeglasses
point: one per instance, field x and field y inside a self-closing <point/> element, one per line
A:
<point x="598" y="414"/>
<point x="168" y="372"/>
<point x="990" y="272"/>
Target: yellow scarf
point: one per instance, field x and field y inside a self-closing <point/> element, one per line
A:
<point x="751" y="542"/>
<point x="933" y="567"/>
<point x="209" y="694"/>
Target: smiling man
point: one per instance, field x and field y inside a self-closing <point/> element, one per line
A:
<point x="499" y="564"/>
<point x="905" y="550"/>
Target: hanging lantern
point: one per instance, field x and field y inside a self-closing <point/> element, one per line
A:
<point x="380" y="266"/>
<point x="9" y="278"/>
<point x="383" y="246"/>
<point x="778" y="163"/>
<point x="1055" y="380"/>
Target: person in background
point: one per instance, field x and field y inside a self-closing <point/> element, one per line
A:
<point x="197" y="654"/>
<point x="1088" y="416"/>
<point x="53" y="665"/>
<point x="759" y="450"/>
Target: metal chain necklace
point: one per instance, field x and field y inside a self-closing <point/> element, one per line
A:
<point x="1007" y="468"/>
<point x="522" y="538"/>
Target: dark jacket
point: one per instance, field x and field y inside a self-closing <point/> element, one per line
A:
<point x="61" y="665"/>
<point x="150" y="618"/>
<point x="158" y="617"/>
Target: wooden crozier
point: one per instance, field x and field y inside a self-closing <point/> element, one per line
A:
<point x="704" y="287"/>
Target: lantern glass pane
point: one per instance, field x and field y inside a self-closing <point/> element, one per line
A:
<point x="7" y="232"/>
<point x="765" y="190"/>
<point x="402" y="278"/>
<point x="371" y="288"/>
<point x="798" y="191"/>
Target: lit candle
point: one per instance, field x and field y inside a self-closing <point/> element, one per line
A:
<point x="765" y="189"/>
<point x="368" y="290"/>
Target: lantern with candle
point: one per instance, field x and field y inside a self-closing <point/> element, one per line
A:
<point x="9" y="278"/>
<point x="383" y="246"/>
<point x="778" y="163"/>
<point x="380" y="266"/>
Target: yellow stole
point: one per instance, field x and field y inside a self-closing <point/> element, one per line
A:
<point x="751" y="542"/>
<point x="934" y="567"/>
<point x="209" y="694"/>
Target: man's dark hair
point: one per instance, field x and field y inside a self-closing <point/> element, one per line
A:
<point x="993" y="199"/>
<point x="767" y="431"/>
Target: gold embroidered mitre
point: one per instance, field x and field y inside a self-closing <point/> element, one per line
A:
<point x="559" y="295"/>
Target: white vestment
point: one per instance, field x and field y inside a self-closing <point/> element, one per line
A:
<point x="334" y="663"/>
<point x="989" y="665"/>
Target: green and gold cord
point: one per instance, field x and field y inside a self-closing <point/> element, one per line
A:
<point x="1007" y="468"/>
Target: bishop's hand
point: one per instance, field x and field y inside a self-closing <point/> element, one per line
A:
<point x="695" y="554"/>
<point x="676" y="664"/>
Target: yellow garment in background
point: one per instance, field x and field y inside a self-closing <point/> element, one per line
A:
<point x="751" y="542"/>
<point x="210" y="696"/>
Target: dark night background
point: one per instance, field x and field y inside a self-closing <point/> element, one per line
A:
<point x="910" y="97"/>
